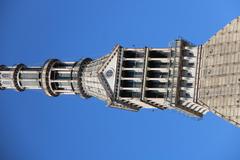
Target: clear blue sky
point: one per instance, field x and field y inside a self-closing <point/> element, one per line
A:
<point x="36" y="127"/>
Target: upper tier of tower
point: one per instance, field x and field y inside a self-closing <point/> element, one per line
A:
<point x="54" y="77"/>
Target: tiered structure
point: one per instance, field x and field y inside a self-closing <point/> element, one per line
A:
<point x="190" y="79"/>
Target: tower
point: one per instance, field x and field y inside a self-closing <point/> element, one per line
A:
<point x="188" y="78"/>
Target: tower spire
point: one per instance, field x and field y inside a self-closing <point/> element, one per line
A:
<point x="54" y="77"/>
<point x="190" y="79"/>
<point x="127" y="78"/>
